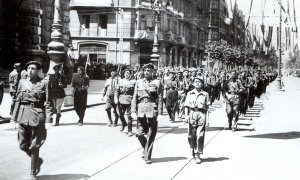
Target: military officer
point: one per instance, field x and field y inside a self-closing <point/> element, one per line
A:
<point x="197" y="102"/>
<point x="171" y="95"/>
<point x="144" y="108"/>
<point x="108" y="92"/>
<point x="124" y="93"/>
<point x="232" y="88"/>
<point x="14" y="78"/>
<point x="29" y="113"/>
<point x="80" y="82"/>
<point x="57" y="83"/>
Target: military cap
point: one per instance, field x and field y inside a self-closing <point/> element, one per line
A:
<point x="198" y="77"/>
<point x="173" y="71"/>
<point x="33" y="62"/>
<point x="113" y="69"/>
<point x="16" y="65"/>
<point x="57" y="65"/>
<point x="185" y="70"/>
<point x="127" y="69"/>
<point x="149" y="65"/>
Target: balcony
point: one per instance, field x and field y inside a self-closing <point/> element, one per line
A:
<point x="170" y="36"/>
<point x="180" y="40"/>
<point x="146" y="35"/>
<point x="93" y="32"/>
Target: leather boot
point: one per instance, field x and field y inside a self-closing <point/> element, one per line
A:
<point x="57" y="119"/>
<point x="34" y="164"/>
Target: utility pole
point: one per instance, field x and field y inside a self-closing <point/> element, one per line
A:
<point x="280" y="49"/>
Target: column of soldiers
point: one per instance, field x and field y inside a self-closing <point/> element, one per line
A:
<point x="187" y="95"/>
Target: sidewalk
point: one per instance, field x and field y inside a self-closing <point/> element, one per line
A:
<point x="94" y="99"/>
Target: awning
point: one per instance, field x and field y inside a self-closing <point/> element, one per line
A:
<point x="91" y="3"/>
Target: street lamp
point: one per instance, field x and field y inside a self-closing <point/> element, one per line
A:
<point x="155" y="5"/>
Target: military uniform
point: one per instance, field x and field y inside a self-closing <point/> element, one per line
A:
<point x="57" y="83"/>
<point x="232" y="88"/>
<point x="80" y="84"/>
<point x="124" y="93"/>
<point x="109" y="91"/>
<point x="145" y="105"/>
<point x="171" y="95"/>
<point x="29" y="112"/>
<point x="197" y="102"/>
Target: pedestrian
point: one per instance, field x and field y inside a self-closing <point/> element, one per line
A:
<point x="57" y="83"/>
<point x="109" y="92"/>
<point x="30" y="115"/>
<point x="124" y="93"/>
<point x="14" y="78"/>
<point x="171" y="88"/>
<point x="144" y="108"/>
<point x="197" y="102"/>
<point x="80" y="82"/>
<point x="232" y="88"/>
<point x="1" y="92"/>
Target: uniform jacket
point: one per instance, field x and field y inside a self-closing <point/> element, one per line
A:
<point x="80" y="83"/>
<point x="13" y="79"/>
<point x="146" y="90"/>
<point x="56" y="85"/>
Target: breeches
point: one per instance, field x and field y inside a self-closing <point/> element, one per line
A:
<point x="196" y="131"/>
<point x="31" y="138"/>
<point x="58" y="104"/>
<point x="148" y="127"/>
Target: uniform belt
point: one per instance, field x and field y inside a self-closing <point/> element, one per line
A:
<point x="146" y="100"/>
<point x="198" y="110"/>
<point x="232" y="93"/>
<point x="31" y="104"/>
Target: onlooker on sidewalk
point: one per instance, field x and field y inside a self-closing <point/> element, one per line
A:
<point x="1" y="93"/>
<point x="14" y="78"/>
<point x="80" y="82"/>
<point x="56" y="92"/>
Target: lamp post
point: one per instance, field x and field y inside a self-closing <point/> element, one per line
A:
<point x="280" y="52"/>
<point x="155" y="5"/>
<point x="56" y="47"/>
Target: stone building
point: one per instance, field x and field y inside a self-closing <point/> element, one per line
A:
<point x="115" y="31"/>
<point x="25" y="30"/>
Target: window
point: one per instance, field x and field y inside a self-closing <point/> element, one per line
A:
<point x="214" y="35"/>
<point x="214" y="5"/>
<point x="214" y="20"/>
<point x="102" y="21"/>
<point x="85" y="25"/>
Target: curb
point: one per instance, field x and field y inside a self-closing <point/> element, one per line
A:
<point x="7" y="120"/>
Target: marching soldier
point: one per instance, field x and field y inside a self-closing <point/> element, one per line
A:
<point x="243" y="95"/>
<point x="57" y="83"/>
<point x="29" y="113"/>
<point x="14" y="78"/>
<point x="171" y="95"/>
<point x="109" y="91"/>
<point x="197" y="102"/>
<point x="232" y="88"/>
<point x="80" y="82"/>
<point x="145" y="109"/>
<point x="124" y="93"/>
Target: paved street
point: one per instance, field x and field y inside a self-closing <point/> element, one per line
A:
<point x="266" y="146"/>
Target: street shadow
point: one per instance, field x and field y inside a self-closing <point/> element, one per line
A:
<point x="285" y="136"/>
<point x="207" y="129"/>
<point x="167" y="159"/>
<point x="84" y="124"/>
<point x="245" y="124"/>
<point x="174" y="131"/>
<point x="211" y="159"/>
<point x="62" y="177"/>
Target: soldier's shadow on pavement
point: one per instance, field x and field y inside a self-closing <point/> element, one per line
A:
<point x="62" y="177"/>
<point x="173" y="131"/>
<point x="84" y="124"/>
<point x="284" y="136"/>
<point x="211" y="159"/>
<point x="167" y="159"/>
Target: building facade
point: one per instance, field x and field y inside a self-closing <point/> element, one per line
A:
<point x="115" y="31"/>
